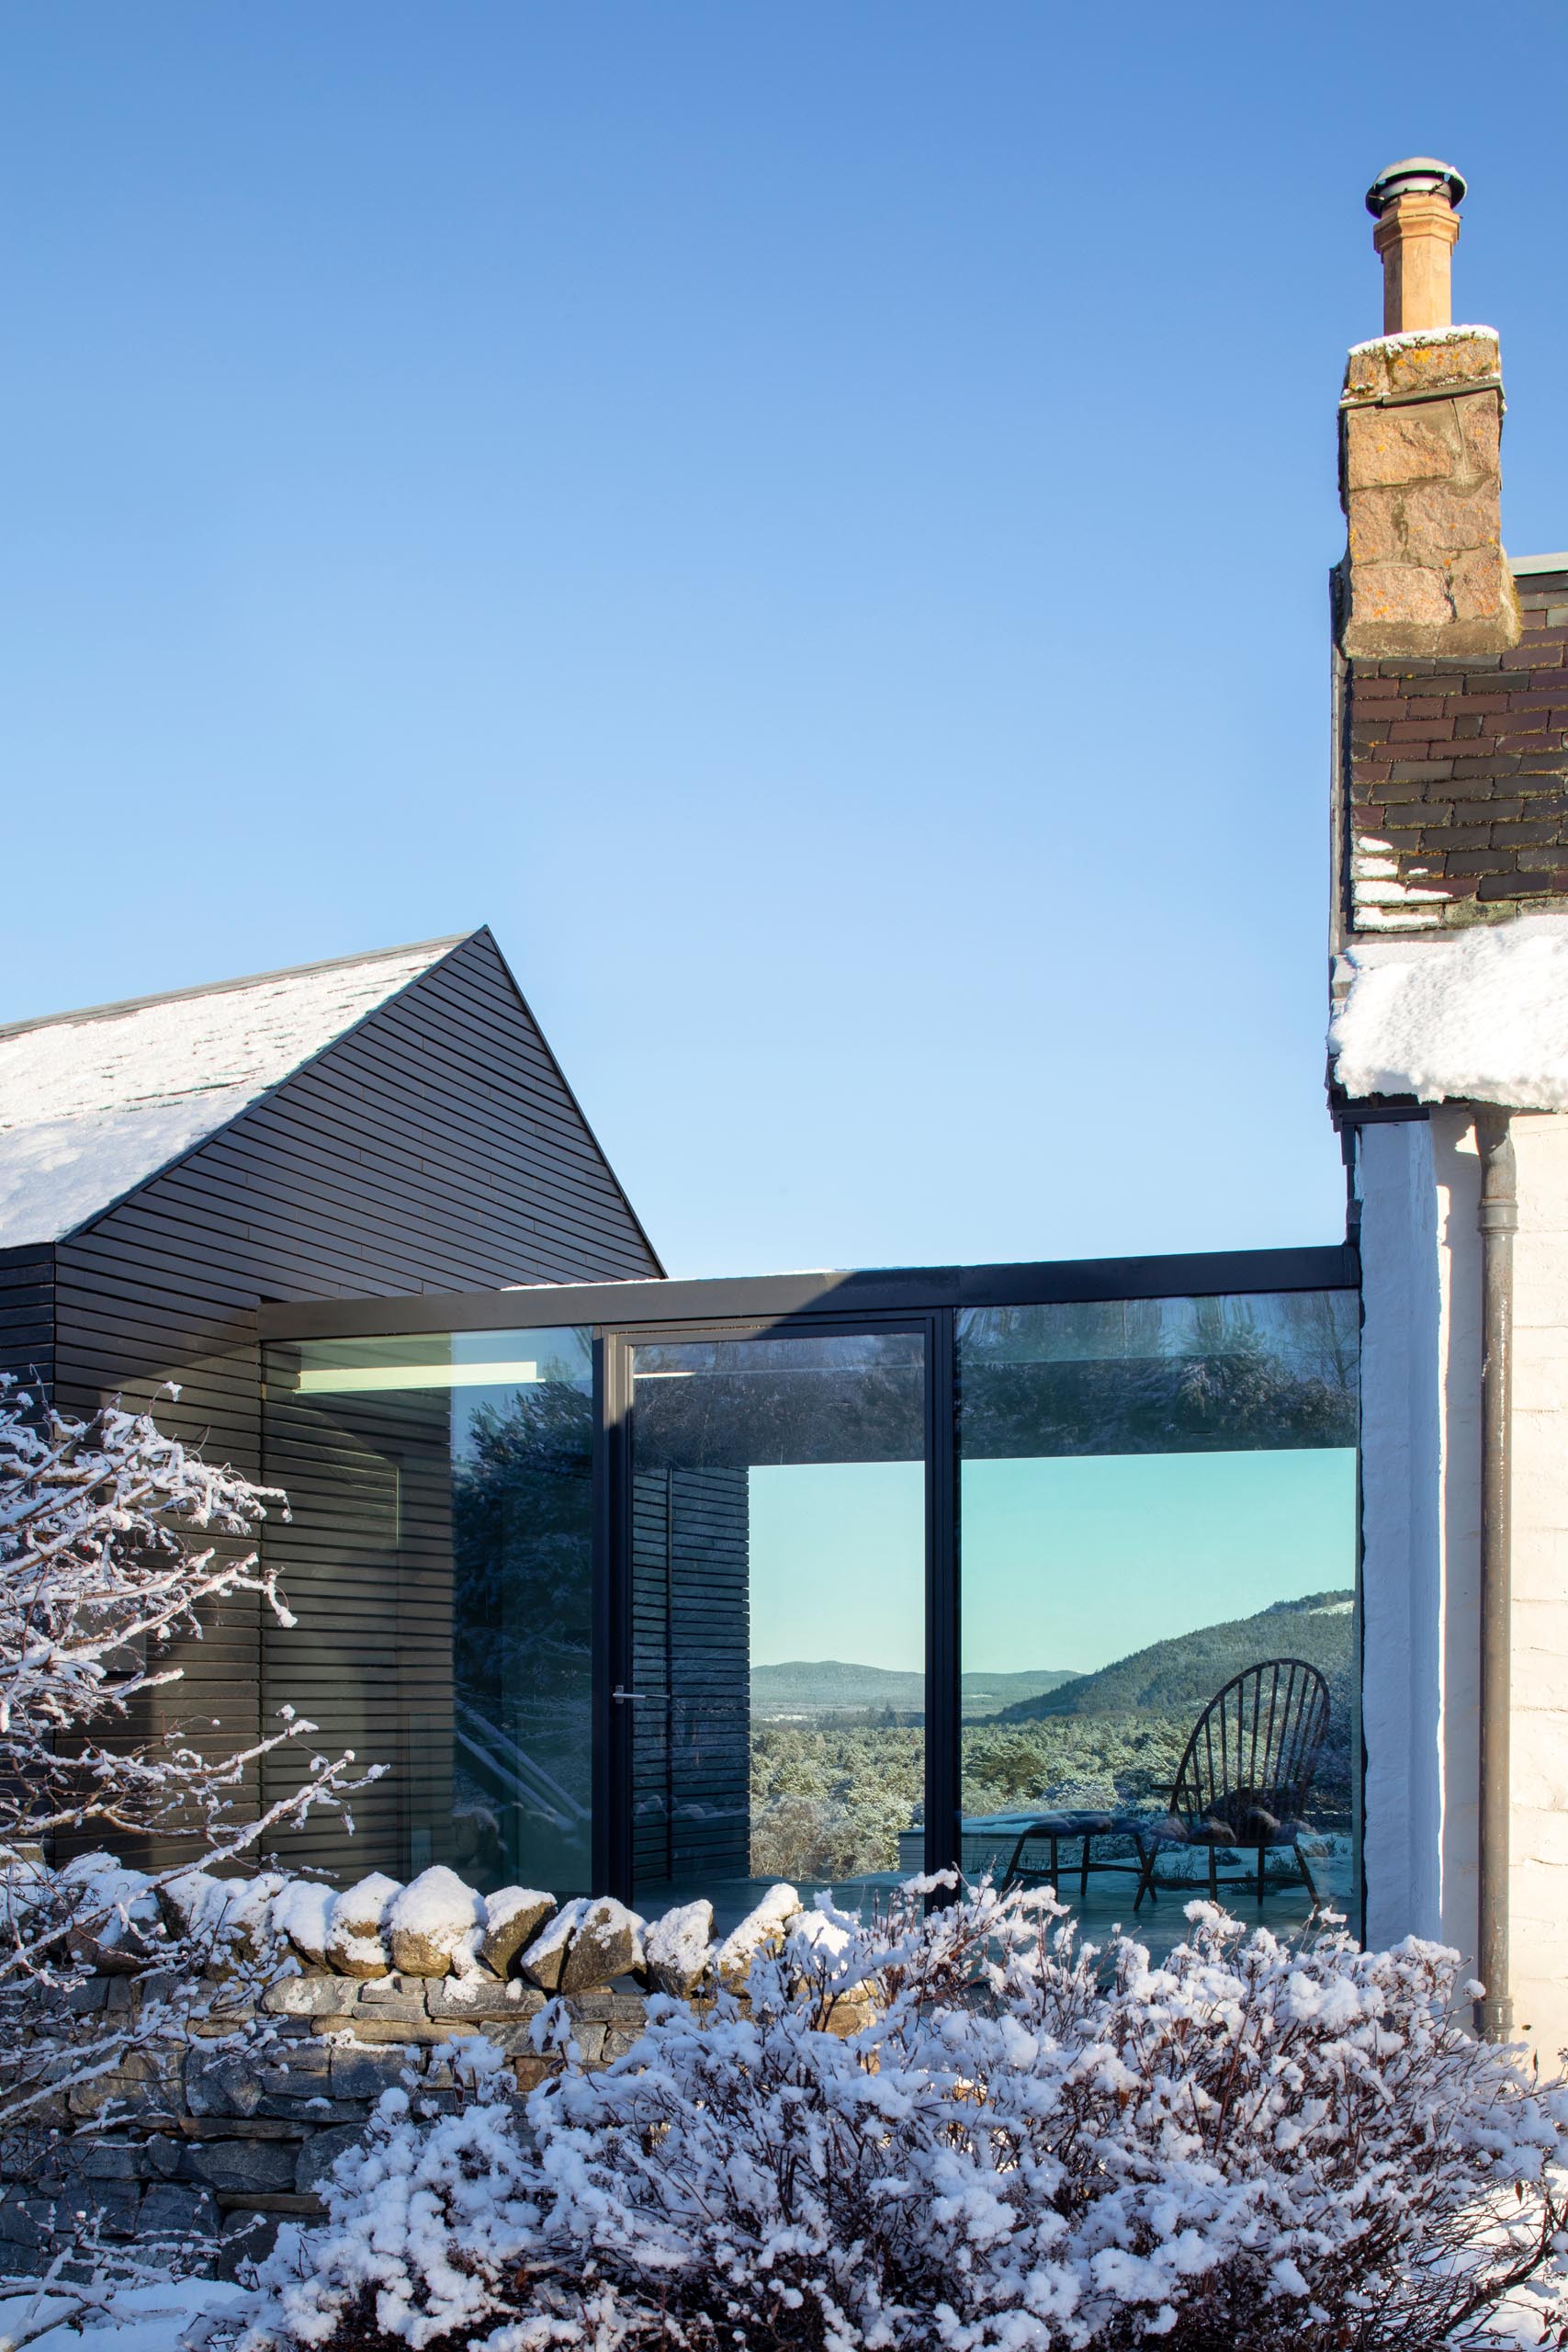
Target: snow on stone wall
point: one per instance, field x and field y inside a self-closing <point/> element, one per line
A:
<point x="225" y="2129"/>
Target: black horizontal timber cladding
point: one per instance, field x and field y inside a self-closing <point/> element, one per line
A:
<point x="431" y="1219"/>
<point x="35" y="1263"/>
<point x="441" y="1153"/>
<point x="690" y="1637"/>
<point x="447" y="1086"/>
<point x="435" y="1146"/>
<point x="244" y="1180"/>
<point x="27" y="1315"/>
<point x="27" y="1321"/>
<point x="437" y="1228"/>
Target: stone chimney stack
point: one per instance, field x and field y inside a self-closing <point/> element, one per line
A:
<point x="1421" y="418"/>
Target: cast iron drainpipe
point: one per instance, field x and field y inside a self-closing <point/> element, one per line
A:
<point x="1498" y="1220"/>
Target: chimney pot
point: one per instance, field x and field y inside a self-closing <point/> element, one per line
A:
<point x="1416" y="176"/>
<point x="1414" y="204"/>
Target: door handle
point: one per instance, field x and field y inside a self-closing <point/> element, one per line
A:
<point x="624" y="1695"/>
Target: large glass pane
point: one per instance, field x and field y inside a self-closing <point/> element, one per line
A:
<point x="778" y="1600"/>
<point x="1158" y="1570"/>
<point x="439" y="1564"/>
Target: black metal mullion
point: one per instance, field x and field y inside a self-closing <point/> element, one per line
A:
<point x="943" y="1733"/>
<point x="672" y="1668"/>
<point x="600" y="1680"/>
<point x="612" y="1730"/>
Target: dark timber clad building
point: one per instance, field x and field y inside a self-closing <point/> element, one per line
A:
<point x="665" y="1588"/>
<point x="381" y="1124"/>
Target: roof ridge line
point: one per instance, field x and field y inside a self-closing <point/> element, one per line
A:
<point x="243" y="980"/>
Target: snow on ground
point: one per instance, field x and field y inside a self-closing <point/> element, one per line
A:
<point x="1480" y="1017"/>
<point x="133" y="2319"/>
<point x="93" y="1105"/>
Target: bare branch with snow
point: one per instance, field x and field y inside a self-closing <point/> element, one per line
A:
<point x="114" y="1539"/>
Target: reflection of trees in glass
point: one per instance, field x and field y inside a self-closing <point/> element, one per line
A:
<point x="1159" y="1375"/>
<point x="736" y="1404"/>
<point x="1327" y="1335"/>
<point x="1226" y="1404"/>
<point x="522" y="1635"/>
<point x="1185" y="1669"/>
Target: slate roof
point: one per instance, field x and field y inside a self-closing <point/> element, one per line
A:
<point x="93" y="1104"/>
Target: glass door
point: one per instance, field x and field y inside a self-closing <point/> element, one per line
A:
<point x="770" y="1696"/>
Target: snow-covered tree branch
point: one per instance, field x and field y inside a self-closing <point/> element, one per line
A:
<point x="114" y="1537"/>
<point x="1031" y="2146"/>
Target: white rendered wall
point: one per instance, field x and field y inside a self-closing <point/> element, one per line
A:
<point x="1419" y="1184"/>
<point x="1401" y="1568"/>
<point x="1538" y="1876"/>
<point x="1457" y="1172"/>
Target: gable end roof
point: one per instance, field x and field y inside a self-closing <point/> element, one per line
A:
<point x="95" y="1104"/>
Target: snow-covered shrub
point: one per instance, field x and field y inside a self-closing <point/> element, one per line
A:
<point x="1252" y="2145"/>
<point x="113" y="1537"/>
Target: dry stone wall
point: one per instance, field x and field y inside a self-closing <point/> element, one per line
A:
<point x="217" y="2135"/>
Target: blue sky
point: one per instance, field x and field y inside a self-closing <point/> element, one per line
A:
<point x="812" y="522"/>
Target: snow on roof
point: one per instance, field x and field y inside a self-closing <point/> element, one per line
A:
<point x="1481" y="1016"/>
<point x="94" y="1104"/>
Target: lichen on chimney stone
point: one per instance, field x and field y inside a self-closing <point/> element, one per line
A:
<point x="1421" y="484"/>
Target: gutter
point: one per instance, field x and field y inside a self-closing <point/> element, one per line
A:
<point x="1498" y="1219"/>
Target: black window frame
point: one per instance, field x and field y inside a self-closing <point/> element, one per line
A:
<point x="621" y="1315"/>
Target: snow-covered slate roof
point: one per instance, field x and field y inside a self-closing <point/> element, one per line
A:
<point x="93" y="1104"/>
<point x="1480" y="1017"/>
